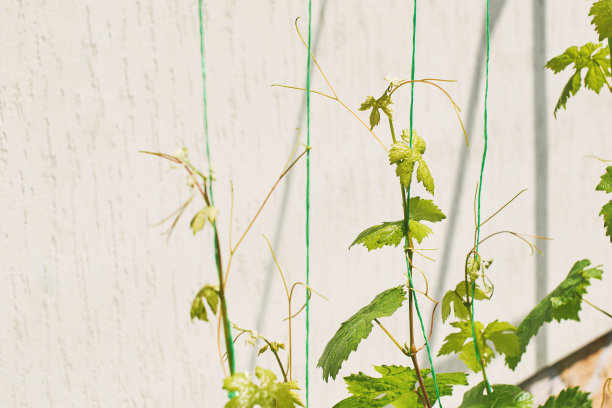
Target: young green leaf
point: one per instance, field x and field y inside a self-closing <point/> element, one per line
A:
<point x="369" y="102"/>
<point x="459" y="308"/>
<point x="596" y="63"/>
<point x="274" y="346"/>
<point x="563" y="303"/>
<point x="406" y="158"/>
<point x="569" y="397"/>
<point x="456" y="299"/>
<point x="268" y="394"/>
<point x="397" y="386"/>
<point x="606" y="181"/>
<point x="375" y="104"/>
<point x="455" y="343"/>
<point x="500" y="335"/>
<point x="469" y="357"/>
<point x="602" y="18"/>
<point x="357" y="328"/>
<point x="211" y="295"/>
<point x="606" y="213"/>
<point x="503" y="396"/>
<point x="199" y="220"/>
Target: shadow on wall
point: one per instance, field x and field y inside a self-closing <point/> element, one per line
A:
<point x="588" y="368"/>
<point x="282" y="214"/>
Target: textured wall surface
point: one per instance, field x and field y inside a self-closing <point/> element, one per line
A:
<point x="587" y="368"/>
<point x="94" y="304"/>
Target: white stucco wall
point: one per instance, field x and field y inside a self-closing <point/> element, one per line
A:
<point x="94" y="305"/>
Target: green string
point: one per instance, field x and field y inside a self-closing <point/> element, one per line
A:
<point x="408" y="265"/>
<point x="484" y="157"/>
<point x="308" y="201"/>
<point x="210" y="189"/>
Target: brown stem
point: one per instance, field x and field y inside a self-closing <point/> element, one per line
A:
<point x="413" y="349"/>
<point x="420" y="377"/>
<point x="408" y="253"/>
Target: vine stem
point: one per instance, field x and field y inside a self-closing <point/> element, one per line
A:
<point x="596" y="308"/>
<point x="224" y="315"/>
<point x="413" y="349"/>
<point x="272" y="349"/>
<point x="408" y="254"/>
<point x="399" y="346"/>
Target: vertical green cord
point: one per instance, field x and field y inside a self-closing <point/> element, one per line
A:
<point x="408" y="266"/>
<point x="308" y="201"/>
<point x="210" y="189"/>
<point x="484" y="157"/>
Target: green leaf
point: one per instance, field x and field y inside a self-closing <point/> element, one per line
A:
<point x="424" y="176"/>
<point x="560" y="62"/>
<point x="418" y="143"/>
<point x="595" y="77"/>
<point x="453" y="343"/>
<point x="571" y="88"/>
<point x="456" y="298"/>
<point x="468" y="355"/>
<point x="503" y="396"/>
<point x="199" y="220"/>
<point x="504" y="338"/>
<point x="501" y="335"/>
<point x="198" y="309"/>
<point x="479" y="294"/>
<point x="606" y="213"/>
<point x="211" y="295"/>
<point x="404" y="171"/>
<point x="387" y="233"/>
<point x="369" y="102"/>
<point x="602" y="18"/>
<point x="563" y="303"/>
<point x="375" y="104"/>
<point x="406" y="158"/>
<point x="419" y="231"/>
<point x="383" y="103"/>
<point x="357" y="328"/>
<point x="593" y="57"/>
<point x="445" y="382"/>
<point x="374" y="118"/>
<point x="274" y="346"/>
<point x="459" y="308"/>
<point x="569" y="397"/>
<point x="425" y="210"/>
<point x="268" y="394"/>
<point x="392" y="233"/>
<point x="397" y="386"/>
<point x="606" y="181"/>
